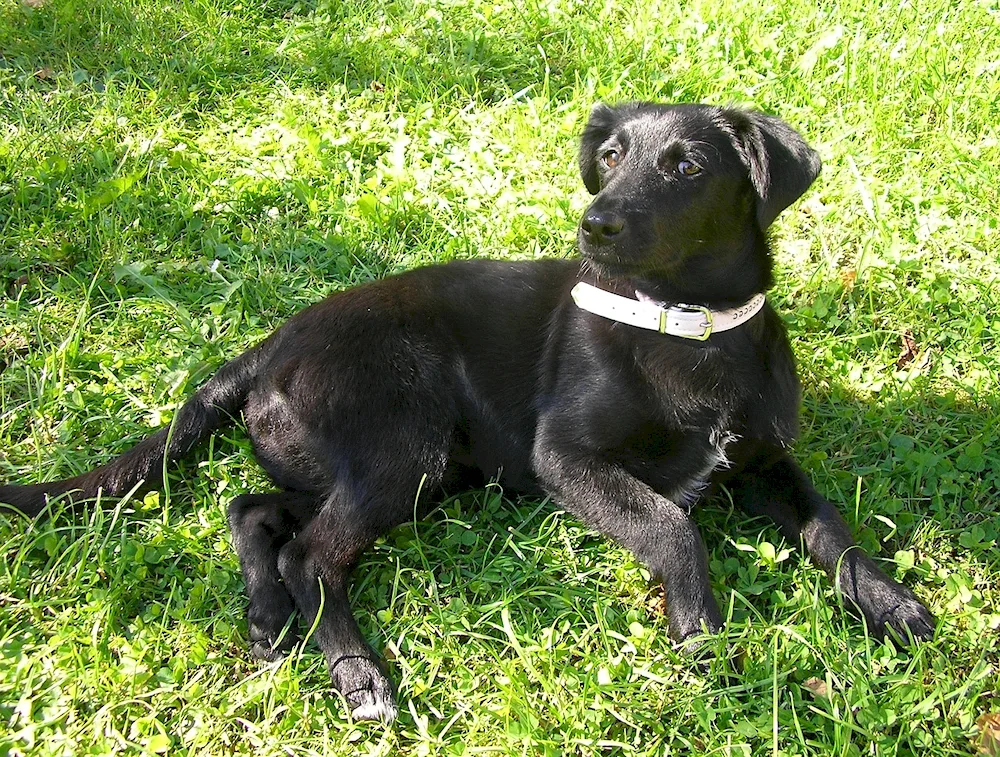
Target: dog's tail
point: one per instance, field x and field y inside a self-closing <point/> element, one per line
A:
<point x="141" y="468"/>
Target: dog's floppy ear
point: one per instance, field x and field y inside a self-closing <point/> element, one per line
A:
<point x="599" y="126"/>
<point x="781" y="164"/>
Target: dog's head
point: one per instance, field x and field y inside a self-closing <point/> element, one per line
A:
<point x="686" y="189"/>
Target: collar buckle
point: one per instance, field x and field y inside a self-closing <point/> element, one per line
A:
<point x="684" y="308"/>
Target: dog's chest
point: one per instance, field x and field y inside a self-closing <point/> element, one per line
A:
<point x="691" y="484"/>
<point x="703" y="403"/>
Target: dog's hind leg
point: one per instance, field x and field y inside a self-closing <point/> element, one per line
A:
<point x="260" y="525"/>
<point x="315" y="567"/>
<point x="783" y="492"/>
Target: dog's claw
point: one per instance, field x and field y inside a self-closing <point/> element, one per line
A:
<point x="271" y="635"/>
<point x="270" y="647"/>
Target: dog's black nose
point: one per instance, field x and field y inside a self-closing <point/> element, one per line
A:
<point x="600" y="226"/>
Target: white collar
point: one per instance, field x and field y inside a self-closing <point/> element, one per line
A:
<point x="687" y="321"/>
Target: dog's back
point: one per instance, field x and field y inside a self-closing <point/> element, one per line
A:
<point x="451" y="354"/>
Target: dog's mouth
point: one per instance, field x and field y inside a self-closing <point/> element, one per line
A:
<point x="610" y="269"/>
<point x="604" y="263"/>
<point x="605" y="255"/>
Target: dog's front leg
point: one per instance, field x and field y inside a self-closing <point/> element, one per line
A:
<point x="658" y="531"/>
<point x="783" y="492"/>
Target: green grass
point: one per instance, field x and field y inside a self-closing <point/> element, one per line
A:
<point x="178" y="178"/>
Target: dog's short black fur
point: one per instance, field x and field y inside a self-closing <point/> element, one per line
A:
<point x="489" y="368"/>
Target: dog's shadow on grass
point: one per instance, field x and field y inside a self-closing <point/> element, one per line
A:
<point x="916" y="446"/>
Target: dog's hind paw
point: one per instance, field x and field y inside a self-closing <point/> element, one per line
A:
<point x="269" y="651"/>
<point x="368" y="692"/>
<point x="370" y="708"/>
<point x="268" y="646"/>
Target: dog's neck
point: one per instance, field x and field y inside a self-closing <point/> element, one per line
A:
<point x="666" y="292"/>
<point x="666" y="295"/>
<point x="717" y="282"/>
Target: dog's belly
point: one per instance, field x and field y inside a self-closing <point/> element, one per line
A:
<point x="487" y="455"/>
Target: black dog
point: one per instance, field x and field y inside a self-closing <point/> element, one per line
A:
<point x="492" y="368"/>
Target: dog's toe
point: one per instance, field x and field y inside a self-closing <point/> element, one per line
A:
<point x="368" y="692"/>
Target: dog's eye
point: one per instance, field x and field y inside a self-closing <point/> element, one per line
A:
<point x="610" y="158"/>
<point x="688" y="168"/>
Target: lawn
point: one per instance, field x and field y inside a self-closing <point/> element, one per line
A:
<point x="177" y="177"/>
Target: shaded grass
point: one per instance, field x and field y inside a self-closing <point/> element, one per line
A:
<point x="176" y="179"/>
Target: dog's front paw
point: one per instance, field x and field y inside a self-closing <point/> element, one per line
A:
<point x="271" y="635"/>
<point x="908" y="621"/>
<point x="368" y="692"/>
<point x="892" y="610"/>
